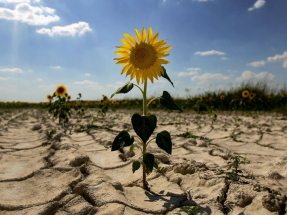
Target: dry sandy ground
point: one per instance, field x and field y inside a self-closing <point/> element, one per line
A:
<point x="78" y="173"/>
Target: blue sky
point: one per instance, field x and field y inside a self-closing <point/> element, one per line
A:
<point x="216" y="44"/>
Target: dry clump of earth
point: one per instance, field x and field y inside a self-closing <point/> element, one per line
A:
<point x="55" y="172"/>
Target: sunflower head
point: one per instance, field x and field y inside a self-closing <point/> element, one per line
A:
<point x="252" y="95"/>
<point x="114" y="102"/>
<point x="236" y="98"/>
<point x="283" y="95"/>
<point x="49" y="97"/>
<point x="154" y="102"/>
<point x="137" y="102"/>
<point x="200" y="99"/>
<point x="222" y="97"/>
<point x="69" y="97"/>
<point x="192" y="98"/>
<point x="61" y="90"/>
<point x="270" y="96"/>
<point x="210" y="99"/>
<point x="106" y="99"/>
<point x="245" y="93"/>
<point x="142" y="59"/>
<point x="206" y="100"/>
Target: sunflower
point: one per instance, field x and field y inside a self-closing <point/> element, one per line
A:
<point x="137" y="102"/>
<point x="192" y="98"/>
<point x="206" y="100"/>
<point x="142" y="59"/>
<point x="69" y="97"/>
<point x="49" y="97"/>
<point x="200" y="99"/>
<point x="283" y="94"/>
<point x="270" y="96"/>
<point x="252" y="95"/>
<point x="245" y="93"/>
<point x="106" y="99"/>
<point x="222" y="97"/>
<point x="154" y="102"/>
<point x="236" y="98"/>
<point x="61" y="90"/>
<point x="210" y="99"/>
<point x="114" y="102"/>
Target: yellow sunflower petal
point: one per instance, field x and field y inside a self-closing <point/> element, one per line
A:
<point x="124" y="61"/>
<point x="123" y="48"/>
<point x="126" y="43"/>
<point x="139" y="37"/>
<point x="164" y="49"/>
<point x="162" y="61"/>
<point x="122" y="53"/>
<point x="154" y="39"/>
<point x="130" y="70"/>
<point x="138" y="77"/>
<point x="130" y="38"/>
<point x="162" y="54"/>
<point x="149" y="37"/>
<point x="143" y="35"/>
<point x="126" y="67"/>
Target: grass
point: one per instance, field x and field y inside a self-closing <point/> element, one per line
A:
<point x="211" y="100"/>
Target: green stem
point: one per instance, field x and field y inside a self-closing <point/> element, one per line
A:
<point x="152" y="100"/>
<point x="145" y="185"/>
<point x="149" y="141"/>
<point x="139" y="88"/>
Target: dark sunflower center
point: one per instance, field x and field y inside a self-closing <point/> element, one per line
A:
<point x="60" y="90"/>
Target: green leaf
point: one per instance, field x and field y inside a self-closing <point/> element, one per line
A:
<point x="148" y="159"/>
<point x="136" y="166"/>
<point x="144" y="126"/>
<point x="132" y="147"/>
<point x="166" y="76"/>
<point x="163" y="140"/>
<point x="124" y="89"/>
<point x="167" y="102"/>
<point x="122" y="139"/>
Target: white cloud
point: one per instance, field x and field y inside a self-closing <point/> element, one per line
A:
<point x="79" y="28"/>
<point x="257" y="4"/>
<point x="251" y="76"/>
<point x="39" y="79"/>
<point x="87" y="74"/>
<point x="50" y="88"/>
<point x="116" y="85"/>
<point x="208" y="78"/>
<point x="55" y="67"/>
<point x="12" y="70"/>
<point x="212" y="52"/>
<point x="15" y="1"/>
<point x="193" y="71"/>
<point x="279" y="58"/>
<point x="3" y="79"/>
<point x="224" y="58"/>
<point x="32" y="15"/>
<point x="90" y="84"/>
<point x="257" y="63"/>
<point x="181" y="74"/>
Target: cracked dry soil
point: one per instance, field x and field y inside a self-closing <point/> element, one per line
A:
<point x="78" y="174"/>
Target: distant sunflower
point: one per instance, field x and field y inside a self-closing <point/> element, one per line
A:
<point x="252" y="95"/>
<point x="245" y="93"/>
<point x="192" y="98"/>
<point x="137" y="102"/>
<point x="206" y="100"/>
<point x="200" y="99"/>
<point x="106" y="99"/>
<point x="154" y="102"/>
<point x="222" y="97"/>
<point x="142" y="59"/>
<point x="270" y="96"/>
<point x="69" y="97"/>
<point x="49" y="97"/>
<point x="61" y="90"/>
<point x="283" y="95"/>
<point x="236" y="98"/>
<point x="210" y="99"/>
<point x="114" y="102"/>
